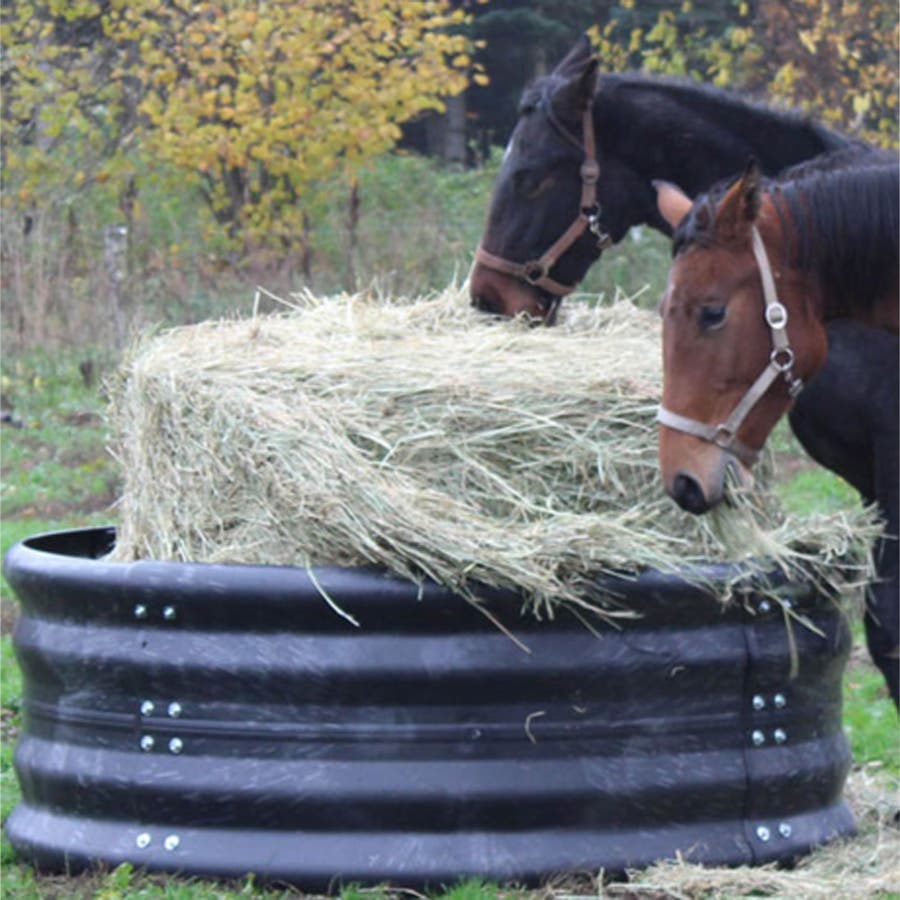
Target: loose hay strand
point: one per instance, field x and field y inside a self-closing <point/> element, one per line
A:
<point x="870" y="863"/>
<point x="429" y="440"/>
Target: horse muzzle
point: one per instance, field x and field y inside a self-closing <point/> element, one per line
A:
<point x="505" y="295"/>
<point x="698" y="478"/>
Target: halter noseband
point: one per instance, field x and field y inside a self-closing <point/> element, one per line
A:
<point x="781" y="363"/>
<point x="536" y="271"/>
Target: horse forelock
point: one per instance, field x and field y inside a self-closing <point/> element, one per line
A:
<point x="533" y="96"/>
<point x="539" y="93"/>
<point x="698" y="226"/>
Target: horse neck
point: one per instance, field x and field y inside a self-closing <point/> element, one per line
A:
<point x="694" y="135"/>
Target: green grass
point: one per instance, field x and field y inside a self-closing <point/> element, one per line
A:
<point x="805" y="487"/>
<point x="54" y="456"/>
<point x="126" y="883"/>
<point x="56" y="475"/>
<point x="870" y="718"/>
<point x="817" y="490"/>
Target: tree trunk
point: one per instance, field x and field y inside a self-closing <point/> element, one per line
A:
<point x="352" y="235"/>
<point x="455" y="136"/>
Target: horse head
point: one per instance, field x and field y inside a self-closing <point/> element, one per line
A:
<point x="740" y="336"/>
<point x="545" y="225"/>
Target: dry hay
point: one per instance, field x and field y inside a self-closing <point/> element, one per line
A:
<point x="866" y="866"/>
<point x="427" y="439"/>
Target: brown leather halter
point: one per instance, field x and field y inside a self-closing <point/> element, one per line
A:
<point x="781" y="364"/>
<point x="536" y="271"/>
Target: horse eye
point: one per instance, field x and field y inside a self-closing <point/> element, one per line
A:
<point x="530" y="184"/>
<point x="545" y="185"/>
<point x="711" y="317"/>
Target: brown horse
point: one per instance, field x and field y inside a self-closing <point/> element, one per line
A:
<point x="757" y="273"/>
<point x="765" y="281"/>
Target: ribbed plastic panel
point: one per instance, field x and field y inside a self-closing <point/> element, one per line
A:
<point x="222" y="720"/>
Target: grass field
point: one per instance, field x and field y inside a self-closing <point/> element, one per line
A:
<point x="57" y="474"/>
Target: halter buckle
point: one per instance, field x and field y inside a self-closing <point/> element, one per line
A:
<point x="782" y="358"/>
<point x="534" y="271"/>
<point x="590" y="171"/>
<point x="604" y="239"/>
<point x="776" y="316"/>
<point x="723" y="436"/>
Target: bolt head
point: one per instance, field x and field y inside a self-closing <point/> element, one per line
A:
<point x="140" y="611"/>
<point x="176" y="745"/>
<point x="758" y="738"/>
<point x="169" y="613"/>
<point x="171" y="842"/>
<point x="763" y="833"/>
<point x="780" y="735"/>
<point x="759" y="702"/>
<point x="764" y="606"/>
<point x="147" y="708"/>
<point x="174" y="709"/>
<point x="780" y="701"/>
<point x="147" y="743"/>
<point x="143" y="840"/>
<point x="785" y="830"/>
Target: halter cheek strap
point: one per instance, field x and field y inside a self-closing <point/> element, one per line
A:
<point x="781" y="364"/>
<point x="536" y="271"/>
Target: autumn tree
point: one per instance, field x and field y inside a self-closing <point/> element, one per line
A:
<point x="261" y="104"/>
<point x="267" y="102"/>
<point x="67" y="110"/>
<point x="836" y="59"/>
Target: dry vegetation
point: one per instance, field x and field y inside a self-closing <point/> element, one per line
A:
<point x="431" y="441"/>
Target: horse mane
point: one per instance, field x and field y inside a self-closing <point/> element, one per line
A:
<point x="672" y="100"/>
<point x="846" y="223"/>
<point x="842" y="213"/>
<point x="678" y="129"/>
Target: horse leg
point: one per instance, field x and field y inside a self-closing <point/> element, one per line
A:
<point x="882" y="618"/>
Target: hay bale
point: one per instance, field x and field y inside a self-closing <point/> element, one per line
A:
<point x="427" y="439"/>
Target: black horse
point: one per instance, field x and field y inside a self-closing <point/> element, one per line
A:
<point x="578" y="173"/>
<point x="631" y="130"/>
<point x="847" y="420"/>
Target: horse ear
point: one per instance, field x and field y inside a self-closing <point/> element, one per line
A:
<point x="577" y="93"/>
<point x="672" y="202"/>
<point x="576" y="59"/>
<point x="740" y="205"/>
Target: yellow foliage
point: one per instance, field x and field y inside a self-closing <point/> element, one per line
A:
<point x="52" y="98"/>
<point x="306" y="94"/>
<point x="836" y="59"/>
<point x="265" y="102"/>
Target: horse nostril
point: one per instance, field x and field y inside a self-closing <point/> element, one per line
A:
<point x="688" y="494"/>
<point x="485" y="304"/>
